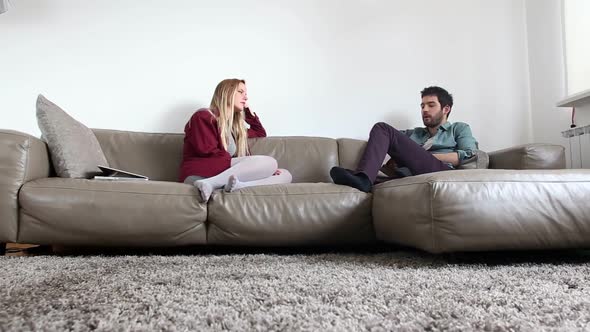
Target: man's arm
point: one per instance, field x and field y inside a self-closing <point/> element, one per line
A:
<point x="407" y="132"/>
<point x="451" y="157"/>
<point x="466" y="143"/>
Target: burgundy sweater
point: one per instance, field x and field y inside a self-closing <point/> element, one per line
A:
<point x="203" y="154"/>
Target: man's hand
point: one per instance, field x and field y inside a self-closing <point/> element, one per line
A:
<point x="389" y="168"/>
<point x="451" y="158"/>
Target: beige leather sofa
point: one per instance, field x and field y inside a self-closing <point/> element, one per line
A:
<point x="528" y="206"/>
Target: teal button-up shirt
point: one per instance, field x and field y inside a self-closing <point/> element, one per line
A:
<point x="450" y="137"/>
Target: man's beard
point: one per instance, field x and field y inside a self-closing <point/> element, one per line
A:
<point x="435" y="121"/>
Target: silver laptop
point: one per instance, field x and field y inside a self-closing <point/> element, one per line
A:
<point x="109" y="173"/>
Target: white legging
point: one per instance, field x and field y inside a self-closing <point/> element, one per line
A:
<point x="245" y="171"/>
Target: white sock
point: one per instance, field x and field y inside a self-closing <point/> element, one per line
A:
<point x="205" y="190"/>
<point x="233" y="183"/>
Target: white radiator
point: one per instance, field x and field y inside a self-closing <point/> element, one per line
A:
<point x="579" y="146"/>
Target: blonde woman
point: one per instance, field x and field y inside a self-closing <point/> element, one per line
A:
<point x="215" y="152"/>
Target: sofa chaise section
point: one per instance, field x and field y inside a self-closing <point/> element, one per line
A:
<point x="493" y="209"/>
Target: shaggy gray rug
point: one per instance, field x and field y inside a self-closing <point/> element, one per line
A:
<point x="403" y="290"/>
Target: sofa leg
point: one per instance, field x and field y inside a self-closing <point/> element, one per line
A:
<point x="2" y="248"/>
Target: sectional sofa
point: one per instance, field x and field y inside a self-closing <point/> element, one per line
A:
<point x="524" y="200"/>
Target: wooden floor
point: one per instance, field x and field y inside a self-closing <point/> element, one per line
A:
<point x="20" y="249"/>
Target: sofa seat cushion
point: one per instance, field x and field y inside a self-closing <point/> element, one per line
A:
<point x="110" y="213"/>
<point x="291" y="214"/>
<point x="477" y="210"/>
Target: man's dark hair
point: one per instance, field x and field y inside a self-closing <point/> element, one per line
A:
<point x="444" y="97"/>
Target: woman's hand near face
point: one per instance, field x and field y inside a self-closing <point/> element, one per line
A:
<point x="248" y="111"/>
<point x="256" y="128"/>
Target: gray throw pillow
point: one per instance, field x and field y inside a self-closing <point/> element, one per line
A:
<point x="75" y="151"/>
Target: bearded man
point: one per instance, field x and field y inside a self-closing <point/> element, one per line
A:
<point x="438" y="146"/>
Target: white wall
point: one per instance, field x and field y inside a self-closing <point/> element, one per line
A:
<point x="548" y="79"/>
<point x="547" y="70"/>
<point x="577" y="30"/>
<point x="577" y="37"/>
<point x="325" y="68"/>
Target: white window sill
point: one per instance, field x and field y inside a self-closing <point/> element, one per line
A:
<point x="576" y="100"/>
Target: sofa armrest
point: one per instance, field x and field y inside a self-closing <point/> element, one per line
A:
<point x="529" y="156"/>
<point x="22" y="158"/>
<point x="479" y="160"/>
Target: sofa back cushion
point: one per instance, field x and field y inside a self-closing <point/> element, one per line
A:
<point x="158" y="156"/>
<point x="350" y="151"/>
<point x="309" y="159"/>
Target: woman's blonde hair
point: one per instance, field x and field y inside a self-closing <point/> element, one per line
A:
<point x="228" y="121"/>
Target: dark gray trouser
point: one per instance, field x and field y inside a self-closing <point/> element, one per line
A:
<point x="406" y="153"/>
